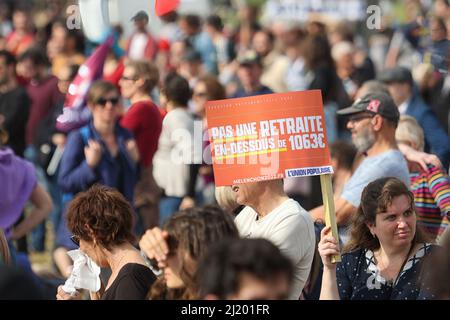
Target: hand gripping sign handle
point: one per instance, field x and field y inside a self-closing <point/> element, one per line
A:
<point x="330" y="214"/>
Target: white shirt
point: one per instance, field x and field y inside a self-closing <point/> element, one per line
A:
<point x="291" y="229"/>
<point x="137" y="46"/>
<point x="404" y="106"/>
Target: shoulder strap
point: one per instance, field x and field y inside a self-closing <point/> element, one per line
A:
<point x="85" y="134"/>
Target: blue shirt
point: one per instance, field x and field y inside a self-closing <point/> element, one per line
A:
<point x="358" y="277"/>
<point x="388" y="164"/>
<point x="75" y="175"/>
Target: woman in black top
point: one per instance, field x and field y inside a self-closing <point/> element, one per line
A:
<point x="101" y="221"/>
<point x="385" y="256"/>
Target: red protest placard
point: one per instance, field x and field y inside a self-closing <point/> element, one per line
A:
<point x="268" y="137"/>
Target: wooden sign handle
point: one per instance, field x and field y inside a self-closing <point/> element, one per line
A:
<point x="330" y="214"/>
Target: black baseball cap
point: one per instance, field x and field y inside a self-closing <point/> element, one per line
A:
<point x="397" y="74"/>
<point x="141" y="15"/>
<point x="379" y="103"/>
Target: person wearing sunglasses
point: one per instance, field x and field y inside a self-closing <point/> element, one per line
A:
<point x="144" y="120"/>
<point x="101" y="152"/>
<point x="101" y="220"/>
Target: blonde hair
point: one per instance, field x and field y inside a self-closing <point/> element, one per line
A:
<point x="226" y="199"/>
<point x="410" y="131"/>
<point x="341" y="49"/>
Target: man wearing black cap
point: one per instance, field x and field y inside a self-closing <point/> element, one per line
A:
<point x="249" y="73"/>
<point x="191" y="66"/>
<point x="372" y="121"/>
<point x="401" y="87"/>
<point x="141" y="45"/>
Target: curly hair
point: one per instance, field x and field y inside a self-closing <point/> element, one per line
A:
<point x="376" y="197"/>
<point x="191" y="232"/>
<point x="103" y="214"/>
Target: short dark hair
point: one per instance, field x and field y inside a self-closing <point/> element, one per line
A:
<point x="193" y="21"/>
<point x="103" y="213"/>
<point x="177" y="90"/>
<point x="36" y="55"/>
<point x="222" y="268"/>
<point x="8" y="57"/>
<point x="215" y="21"/>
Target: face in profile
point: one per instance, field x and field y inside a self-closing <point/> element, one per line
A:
<point x="94" y="252"/>
<point x="245" y="192"/>
<point x="176" y="265"/>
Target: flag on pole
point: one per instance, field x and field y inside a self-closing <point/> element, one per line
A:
<point x="75" y="113"/>
<point x="163" y="7"/>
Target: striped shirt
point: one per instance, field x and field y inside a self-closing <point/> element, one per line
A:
<point x="431" y="191"/>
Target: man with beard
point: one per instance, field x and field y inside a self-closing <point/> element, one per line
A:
<point x="372" y="121"/>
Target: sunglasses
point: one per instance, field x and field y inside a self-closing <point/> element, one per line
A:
<point x="128" y="78"/>
<point x="75" y="240"/>
<point x="103" y="101"/>
<point x="200" y="94"/>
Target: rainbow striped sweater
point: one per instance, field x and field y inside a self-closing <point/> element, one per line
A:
<point x="431" y="191"/>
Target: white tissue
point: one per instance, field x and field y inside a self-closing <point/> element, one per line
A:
<point x="85" y="273"/>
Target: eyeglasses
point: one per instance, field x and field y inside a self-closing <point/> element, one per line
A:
<point x="200" y="94"/>
<point x="128" y="78"/>
<point x="75" y="240"/>
<point x="360" y="116"/>
<point x="102" y="101"/>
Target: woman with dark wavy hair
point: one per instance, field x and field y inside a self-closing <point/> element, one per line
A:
<point x="384" y="258"/>
<point x="101" y="221"/>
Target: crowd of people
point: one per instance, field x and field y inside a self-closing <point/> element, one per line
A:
<point x="133" y="188"/>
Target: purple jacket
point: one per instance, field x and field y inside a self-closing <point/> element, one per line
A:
<point x="17" y="182"/>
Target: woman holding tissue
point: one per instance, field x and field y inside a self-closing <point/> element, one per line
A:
<point x="385" y="256"/>
<point x="101" y="220"/>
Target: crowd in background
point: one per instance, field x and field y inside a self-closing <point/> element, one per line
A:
<point x="120" y="164"/>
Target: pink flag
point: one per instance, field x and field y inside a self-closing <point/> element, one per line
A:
<point x="75" y="113"/>
<point x="163" y="7"/>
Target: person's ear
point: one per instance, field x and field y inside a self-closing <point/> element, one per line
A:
<point x="140" y="82"/>
<point x="377" y="122"/>
<point x="371" y="227"/>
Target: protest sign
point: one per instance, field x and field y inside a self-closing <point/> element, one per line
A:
<point x="268" y="137"/>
